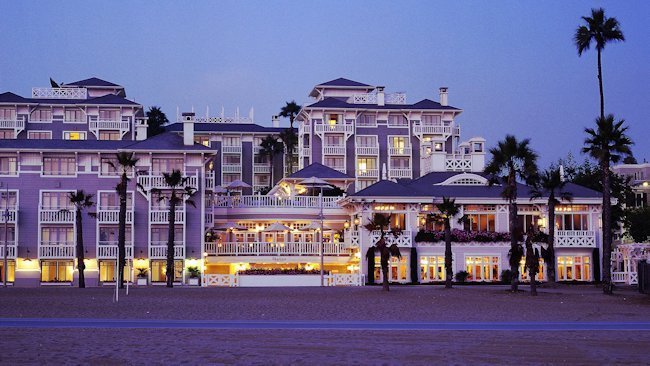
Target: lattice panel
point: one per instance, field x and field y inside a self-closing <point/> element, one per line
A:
<point x="458" y="164"/>
<point x="575" y="241"/>
<point x="220" y="280"/>
<point x="343" y="279"/>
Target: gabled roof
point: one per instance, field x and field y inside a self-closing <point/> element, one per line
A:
<point x="166" y="141"/>
<point x="344" y="82"/>
<point x="94" y="82"/>
<point x="387" y="188"/>
<point x="109" y="99"/>
<point x="430" y="104"/>
<point x="318" y="170"/>
<point x="10" y="97"/>
<point x="334" y="102"/>
<point x="226" y="127"/>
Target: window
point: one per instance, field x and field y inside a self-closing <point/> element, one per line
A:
<point x="367" y="120"/>
<point x="478" y="147"/>
<point x="58" y="200"/>
<point x="74" y="135"/>
<point x="111" y="200"/>
<point x="398" y="220"/>
<point x="397" y="269"/>
<point x="480" y="218"/>
<point x="334" y="162"/>
<point x="74" y="115"/>
<point x="231" y="141"/>
<point x="366" y="141"/>
<point x="572" y="221"/>
<point x="8" y="165"/>
<point x="59" y="166"/>
<point x="541" y="270"/>
<point x="39" y="135"/>
<point x="202" y="139"/>
<point x="109" y="235"/>
<point x="159" y="235"/>
<point x="110" y="135"/>
<point x="166" y="165"/>
<point x="574" y="268"/>
<point x="159" y="270"/>
<point x="57" y="235"/>
<point x="56" y="271"/>
<point x="397" y="121"/>
<point x="333" y="119"/>
<point x="431" y="120"/>
<point x="231" y="159"/>
<point x="399" y="142"/>
<point x="439" y="146"/>
<point x="109" y="115"/>
<point x="12" y="200"/>
<point x="229" y="178"/>
<point x="7" y="134"/>
<point x="527" y="220"/>
<point x="400" y="163"/>
<point x="364" y="183"/>
<point x="11" y="233"/>
<point x="334" y="140"/>
<point x="482" y="268"/>
<point x="365" y="164"/>
<point x="107" y="271"/>
<point x="7" y="114"/>
<point x="41" y="115"/>
<point x="11" y="269"/>
<point x="432" y="268"/>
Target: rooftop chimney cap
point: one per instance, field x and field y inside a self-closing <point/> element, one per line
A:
<point x="380" y="88"/>
<point x="443" y="88"/>
<point x="188" y="114"/>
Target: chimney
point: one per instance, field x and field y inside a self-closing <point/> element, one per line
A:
<point x="443" y="96"/>
<point x="276" y="121"/>
<point x="141" y="129"/>
<point x="381" y="97"/>
<point x="188" y="128"/>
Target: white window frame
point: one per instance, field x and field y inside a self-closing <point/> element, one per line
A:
<point x="85" y="135"/>
<point x="39" y="131"/>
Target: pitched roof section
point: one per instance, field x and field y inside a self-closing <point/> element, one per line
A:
<point x="94" y="82"/>
<point x="108" y="99"/>
<point x="227" y="127"/>
<point x="166" y="141"/>
<point x="319" y="170"/>
<point x="425" y="104"/>
<point x="344" y="82"/>
<point x="10" y="97"/>
<point x="387" y="188"/>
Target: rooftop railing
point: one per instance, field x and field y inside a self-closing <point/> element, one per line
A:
<point x="60" y="93"/>
<point x="251" y="201"/>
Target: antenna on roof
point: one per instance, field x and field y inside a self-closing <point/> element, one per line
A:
<point x="562" y="173"/>
<point x="207" y="111"/>
<point x="251" y="113"/>
<point x="178" y="114"/>
<point x="223" y="112"/>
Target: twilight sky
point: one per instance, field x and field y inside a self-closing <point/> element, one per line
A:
<point x="510" y="65"/>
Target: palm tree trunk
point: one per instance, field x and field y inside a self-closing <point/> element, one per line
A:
<point x="607" y="232"/>
<point x="449" y="273"/>
<point x="600" y="84"/>
<point x="384" y="268"/>
<point x="550" y="264"/>
<point x="272" y="169"/>
<point x="121" y="231"/>
<point x="170" y="240"/>
<point x="81" y="266"/>
<point x="515" y="255"/>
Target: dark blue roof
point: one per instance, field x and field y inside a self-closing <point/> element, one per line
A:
<point x="344" y="82"/>
<point x="166" y="141"/>
<point x="10" y="97"/>
<point x="109" y="99"/>
<point x="331" y="102"/>
<point x="226" y="127"/>
<point x="93" y="82"/>
<point x="319" y="170"/>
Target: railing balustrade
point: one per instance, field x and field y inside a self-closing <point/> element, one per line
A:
<point x="368" y="173"/>
<point x="231" y="168"/>
<point x="109" y="125"/>
<point x="109" y="249"/>
<point x="367" y="150"/>
<point x="158" y="181"/>
<point x="162" y="216"/>
<point x="334" y="149"/>
<point x="404" y="239"/>
<point x="274" y="249"/>
<point x="158" y="249"/>
<point x="18" y="123"/>
<point x="56" y="250"/>
<point x="406" y="150"/>
<point x="575" y="238"/>
<point x="336" y="128"/>
<point x="438" y="129"/>
<point x="113" y="216"/>
<point x="57" y="215"/>
<point x="11" y="249"/>
<point x="60" y="93"/>
<point x="250" y="201"/>
<point x="231" y="149"/>
<point x="261" y="168"/>
<point x="399" y="173"/>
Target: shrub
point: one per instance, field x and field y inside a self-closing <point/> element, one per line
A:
<point x="461" y="276"/>
<point x="194" y="272"/>
<point x="462" y="236"/>
<point x="506" y="276"/>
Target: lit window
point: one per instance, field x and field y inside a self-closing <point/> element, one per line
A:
<point x="333" y="119"/>
<point x="438" y="146"/>
<point x="74" y="135"/>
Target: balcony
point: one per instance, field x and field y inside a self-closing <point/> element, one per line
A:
<point x="405" y="239"/>
<point x="288" y="171"/>
<point x="305" y="152"/>
<point x="399" y="173"/>
<point x="158" y="181"/>
<point x="11" y="249"/>
<point x="101" y="124"/>
<point x="12" y="215"/>
<point x="367" y="173"/>
<point x="371" y="98"/>
<point x="109" y="250"/>
<point x="346" y="128"/>
<point x="158" y="250"/>
<point x="255" y="201"/>
<point x="399" y="151"/>
<point x="17" y="124"/>
<point x="435" y="129"/>
<point x="162" y="216"/>
<point x="458" y="163"/>
<point x="232" y="149"/>
<point x="60" y="93"/>
<point x="57" y="216"/>
<point x="333" y="149"/>
<point x="367" y="150"/>
<point x="261" y="168"/>
<point x="231" y="168"/>
<point x="112" y="216"/>
<point x="575" y="239"/>
<point x="56" y="250"/>
<point x="209" y="181"/>
<point x="275" y="249"/>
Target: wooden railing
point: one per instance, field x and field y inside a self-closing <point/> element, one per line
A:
<point x="57" y="216"/>
<point x="274" y="249"/>
<point x="162" y="216"/>
<point x="113" y="216"/>
<point x="249" y="201"/>
<point x="18" y="123"/>
<point x="575" y="239"/>
<point x="158" y="250"/>
<point x="109" y="250"/>
<point x="56" y="250"/>
<point x="11" y="249"/>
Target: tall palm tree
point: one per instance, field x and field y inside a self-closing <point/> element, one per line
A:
<point x="512" y="160"/>
<point x="608" y="143"/>
<point x="448" y="209"/>
<point x="126" y="162"/>
<point x="291" y="110"/>
<point x="599" y="30"/>
<point x="290" y="139"/>
<point x="271" y="147"/>
<point x="381" y="223"/>
<point x="551" y="184"/>
<point x="81" y="202"/>
<point x="178" y="192"/>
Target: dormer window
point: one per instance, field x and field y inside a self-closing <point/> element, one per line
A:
<point x="478" y="147"/>
<point x="438" y="146"/>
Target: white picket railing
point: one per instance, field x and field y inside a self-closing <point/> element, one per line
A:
<point x="406" y="150"/>
<point x="11" y="249"/>
<point x="231" y="149"/>
<point x="343" y="279"/>
<point x="209" y="181"/>
<point x="250" y="201"/>
<point x="57" y="216"/>
<point x="16" y="124"/>
<point x="109" y="250"/>
<point x="113" y="216"/>
<point x="274" y="249"/>
<point x="420" y="129"/>
<point x="158" y="181"/>
<point x="60" y="93"/>
<point x="11" y="213"/>
<point x="404" y="239"/>
<point x="158" y="250"/>
<point x="399" y="173"/>
<point x="261" y="168"/>
<point x="109" y="125"/>
<point x="458" y="163"/>
<point x="333" y="279"/>
<point x="368" y="173"/>
<point x="334" y="128"/>
<point x="334" y="149"/>
<point x="220" y="280"/>
<point x="231" y="168"/>
<point x="162" y="216"/>
<point x="367" y="150"/>
<point x="56" y="250"/>
<point x="575" y="239"/>
<point x="306" y="152"/>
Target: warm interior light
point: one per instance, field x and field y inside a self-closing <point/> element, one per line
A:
<point x="346" y="224"/>
<point x="362" y="167"/>
<point x="356" y="221"/>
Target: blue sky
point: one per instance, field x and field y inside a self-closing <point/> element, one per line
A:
<point x="510" y="65"/>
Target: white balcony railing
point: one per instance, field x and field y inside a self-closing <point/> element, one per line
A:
<point x="334" y="128"/>
<point x="399" y="173"/>
<point x="15" y="124"/>
<point x="575" y="239"/>
<point x="158" y="250"/>
<point x="333" y="149"/>
<point x="11" y="213"/>
<point x="304" y="128"/>
<point x="420" y="129"/>
<point x="367" y="150"/>
<point x="109" y="250"/>
<point x="231" y="149"/>
<point x="305" y="152"/>
<point x="231" y="168"/>
<point x="11" y="249"/>
<point x="405" y="150"/>
<point x="251" y="201"/>
<point x="162" y="216"/>
<point x="56" y="250"/>
<point x="105" y="216"/>
<point x="274" y="249"/>
<point x="60" y="216"/>
<point x="368" y="173"/>
<point x="109" y="125"/>
<point x="158" y="181"/>
<point x="209" y="181"/>
<point x="458" y="163"/>
<point x="261" y="168"/>
<point x="405" y="239"/>
<point x="59" y="93"/>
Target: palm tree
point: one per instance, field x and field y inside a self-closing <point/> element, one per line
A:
<point x="291" y="110"/>
<point x="290" y="139"/>
<point x="512" y="159"/>
<point x="532" y="261"/>
<point x="608" y="143"/>
<point x="551" y="184"/>
<point x="81" y="201"/>
<point x="178" y="192"/>
<point x="448" y="209"/>
<point x="271" y="147"/>
<point x="381" y="222"/>
<point x="600" y="30"/>
<point x="156" y="121"/>
<point x="126" y="162"/>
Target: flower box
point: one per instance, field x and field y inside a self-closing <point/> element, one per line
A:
<point x="142" y="281"/>
<point x="193" y="281"/>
